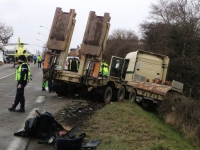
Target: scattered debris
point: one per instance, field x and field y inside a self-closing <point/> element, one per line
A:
<point x="79" y="111"/>
<point x="49" y="131"/>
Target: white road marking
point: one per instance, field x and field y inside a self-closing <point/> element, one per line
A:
<point x="40" y="99"/>
<point x="14" y="144"/>
<point x="7" y="75"/>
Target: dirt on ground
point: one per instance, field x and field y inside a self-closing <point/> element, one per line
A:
<point x="78" y="112"/>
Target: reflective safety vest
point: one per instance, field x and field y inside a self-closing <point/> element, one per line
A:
<point x="39" y="58"/>
<point x="18" y="73"/>
<point x="104" y="66"/>
<point x="70" y="64"/>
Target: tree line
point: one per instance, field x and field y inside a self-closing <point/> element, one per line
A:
<point x="172" y="29"/>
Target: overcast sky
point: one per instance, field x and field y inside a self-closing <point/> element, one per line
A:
<point x="26" y="17"/>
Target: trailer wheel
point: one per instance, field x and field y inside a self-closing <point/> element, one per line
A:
<point x="62" y="90"/>
<point x="59" y="92"/>
<point x="121" y="93"/>
<point x="132" y="96"/>
<point x="107" y="94"/>
<point x="145" y="103"/>
<point x="118" y="94"/>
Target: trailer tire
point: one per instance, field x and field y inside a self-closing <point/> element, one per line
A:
<point x="121" y="94"/>
<point x="132" y="96"/>
<point x="62" y="90"/>
<point x="59" y="92"/>
<point x="145" y="103"/>
<point x="118" y="94"/>
<point x="107" y="94"/>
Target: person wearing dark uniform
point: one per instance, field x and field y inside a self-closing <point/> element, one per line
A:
<point x="73" y="64"/>
<point x="21" y="76"/>
<point x="15" y="61"/>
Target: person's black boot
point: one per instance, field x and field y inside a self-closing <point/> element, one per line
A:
<point x="20" y="110"/>
<point x="43" y="89"/>
<point x="12" y="108"/>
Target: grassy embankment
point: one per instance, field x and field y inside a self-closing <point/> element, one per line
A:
<point x="126" y="126"/>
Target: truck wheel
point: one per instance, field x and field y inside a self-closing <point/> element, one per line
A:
<point x="145" y="103"/>
<point x="107" y="95"/>
<point x="118" y="94"/>
<point x="61" y="90"/>
<point x="121" y="93"/>
<point x="132" y="96"/>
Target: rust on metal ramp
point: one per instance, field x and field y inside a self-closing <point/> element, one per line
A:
<point x="95" y="35"/>
<point x="61" y="29"/>
<point x="151" y="87"/>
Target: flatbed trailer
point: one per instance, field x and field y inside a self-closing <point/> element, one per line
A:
<point x="92" y="47"/>
<point x="140" y="75"/>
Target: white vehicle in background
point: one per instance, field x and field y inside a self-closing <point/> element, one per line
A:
<point x="68" y="59"/>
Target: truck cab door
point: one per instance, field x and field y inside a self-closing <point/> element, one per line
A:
<point x="116" y="66"/>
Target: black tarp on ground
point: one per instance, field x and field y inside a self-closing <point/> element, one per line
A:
<point x="43" y="127"/>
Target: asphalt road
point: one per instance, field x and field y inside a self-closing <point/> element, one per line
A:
<point x="12" y="122"/>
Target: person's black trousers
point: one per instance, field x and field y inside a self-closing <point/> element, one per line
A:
<point x="19" y="98"/>
<point x="50" y="85"/>
<point x="39" y="64"/>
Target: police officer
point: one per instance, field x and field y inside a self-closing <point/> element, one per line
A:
<point x="22" y="75"/>
<point x="39" y="60"/>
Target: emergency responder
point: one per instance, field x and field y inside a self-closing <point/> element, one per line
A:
<point x="21" y="76"/>
<point x="73" y="65"/>
<point x="35" y="59"/>
<point x="47" y="83"/>
<point x="103" y="69"/>
<point x="14" y="62"/>
<point x="39" y="60"/>
<point x="44" y="84"/>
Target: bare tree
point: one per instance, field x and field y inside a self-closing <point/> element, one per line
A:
<point x="175" y="11"/>
<point x="123" y="35"/>
<point x="120" y="42"/>
<point x="174" y="30"/>
<point x="6" y="33"/>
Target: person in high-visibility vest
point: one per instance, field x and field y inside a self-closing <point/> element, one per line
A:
<point x="103" y="71"/>
<point x="39" y="60"/>
<point x="22" y="75"/>
<point x="73" y="65"/>
<point x="44" y="84"/>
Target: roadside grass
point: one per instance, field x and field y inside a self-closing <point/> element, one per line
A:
<point x="126" y="126"/>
